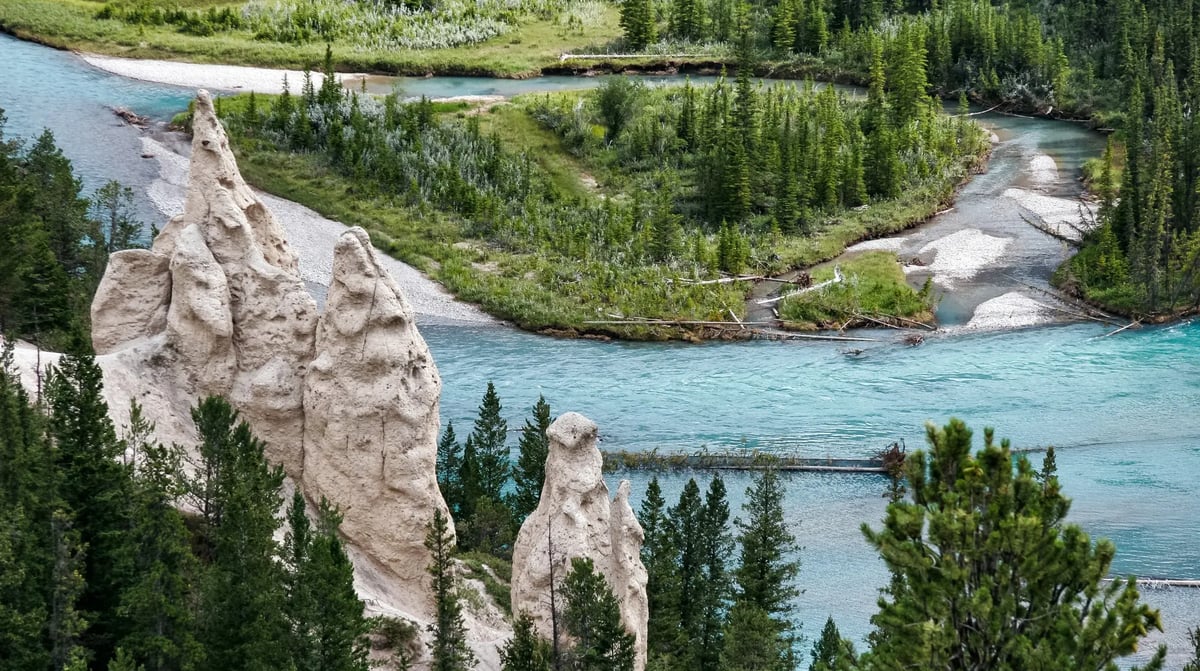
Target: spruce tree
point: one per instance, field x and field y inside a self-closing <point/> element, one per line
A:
<point x="686" y="523"/>
<point x="752" y="642"/>
<point x="530" y="471"/>
<point x="658" y="556"/>
<point x="1048" y="608"/>
<point x="95" y="488"/>
<point x="449" y="645"/>
<point x="765" y="576"/>
<point x="490" y="438"/>
<point x="716" y="548"/>
<point x="449" y="469"/>
<point x="241" y="610"/>
<point x="593" y="619"/>
<point x="831" y="652"/>
<point x="325" y="616"/>
<point x="156" y="606"/>
<point x="525" y="651"/>
<point x="637" y="20"/>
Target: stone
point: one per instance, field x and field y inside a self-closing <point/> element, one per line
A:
<point x="371" y="416"/>
<point x="132" y="299"/>
<point x="575" y="518"/>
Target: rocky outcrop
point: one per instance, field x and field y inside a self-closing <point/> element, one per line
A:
<point x="346" y="402"/>
<point x="575" y="518"/>
<point x="371" y="413"/>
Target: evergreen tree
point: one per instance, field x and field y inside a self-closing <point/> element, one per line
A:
<point x="752" y="641"/>
<point x="658" y="556"/>
<point x="241" y="610"/>
<point x="831" y="652"/>
<point x="56" y="202"/>
<point x="95" y="488"/>
<point x="156" y="606"/>
<point x="328" y="630"/>
<point x="686" y="524"/>
<point x="449" y="469"/>
<point x="687" y="19"/>
<point x="530" y="471"/>
<point x="637" y="20"/>
<point x="525" y="651"/>
<point x="767" y="567"/>
<point x="330" y="93"/>
<point x="1048" y="608"/>
<point x="490" y="438"/>
<point x="449" y="645"/>
<point x="65" y="624"/>
<point x="593" y="619"/>
<point x="716" y="547"/>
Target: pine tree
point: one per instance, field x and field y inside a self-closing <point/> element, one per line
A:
<point x="330" y="93"/>
<point x="752" y="642"/>
<point x="687" y="20"/>
<point x="241" y="611"/>
<point x="765" y="578"/>
<point x="490" y="438"/>
<point x="832" y="652"/>
<point x="328" y="630"/>
<point x="55" y="201"/>
<point x="685" y="521"/>
<point x="449" y="645"/>
<point x="525" y="651"/>
<point x="716" y="547"/>
<point x="637" y="20"/>
<point x="449" y="469"/>
<point x="530" y="471"/>
<point x="95" y="488"/>
<point x="156" y="606"/>
<point x="658" y="556"/>
<point x="975" y="512"/>
<point x="65" y="624"/>
<point x="593" y="619"/>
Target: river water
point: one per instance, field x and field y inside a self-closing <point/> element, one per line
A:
<point x="1121" y="410"/>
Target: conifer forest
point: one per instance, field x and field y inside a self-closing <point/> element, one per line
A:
<point x="642" y="181"/>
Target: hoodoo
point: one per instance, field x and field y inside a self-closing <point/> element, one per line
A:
<point x="575" y="518"/>
<point x="347" y="402"/>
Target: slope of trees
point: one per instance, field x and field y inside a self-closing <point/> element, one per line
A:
<point x="56" y="241"/>
<point x="100" y="570"/>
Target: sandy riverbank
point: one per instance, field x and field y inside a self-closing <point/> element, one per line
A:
<point x="313" y="238"/>
<point x="209" y="76"/>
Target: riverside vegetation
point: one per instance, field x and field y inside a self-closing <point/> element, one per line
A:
<point x="698" y="183"/>
<point x="100" y="570"/>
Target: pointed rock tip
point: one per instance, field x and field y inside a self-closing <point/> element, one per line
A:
<point x="573" y="431"/>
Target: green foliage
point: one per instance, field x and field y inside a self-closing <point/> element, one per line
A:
<point x="241" y="621"/>
<point x="529" y="473"/>
<point x="485" y="522"/>
<point x="449" y="645"/>
<point x="593" y="619"/>
<point x="1014" y="584"/>
<point x="638" y="22"/>
<point x="874" y="285"/>
<point x="95" y="487"/>
<point x="525" y="651"/>
<point x="831" y="652"/>
<point x="449" y="467"/>
<point x="765" y="582"/>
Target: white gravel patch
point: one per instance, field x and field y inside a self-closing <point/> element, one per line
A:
<point x="961" y="255"/>
<point x="1013" y="310"/>
<point x="1064" y="216"/>
<point x="203" y="75"/>
<point x="879" y="244"/>
<point x="1042" y="170"/>
<point x="313" y="238"/>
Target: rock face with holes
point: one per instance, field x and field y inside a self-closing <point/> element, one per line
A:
<point x="575" y="518"/>
<point x="346" y="402"/>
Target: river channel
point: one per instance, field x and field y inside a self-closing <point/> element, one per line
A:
<point x="1122" y="410"/>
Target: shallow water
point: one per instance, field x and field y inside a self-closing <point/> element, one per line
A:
<point x="1122" y="410"/>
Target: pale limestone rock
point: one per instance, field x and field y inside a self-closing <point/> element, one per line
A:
<point x="347" y="403"/>
<point x="132" y="299"/>
<point x="575" y="518"/>
<point x="371" y="416"/>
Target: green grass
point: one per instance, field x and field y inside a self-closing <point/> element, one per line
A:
<point x="874" y="286"/>
<point x="535" y="44"/>
<point x="519" y="132"/>
<point x="495" y="574"/>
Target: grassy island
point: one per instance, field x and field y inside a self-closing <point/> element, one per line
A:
<point x="572" y="212"/>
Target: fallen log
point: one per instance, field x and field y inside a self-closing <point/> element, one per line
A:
<point x="1134" y="324"/>
<point x="837" y="279"/>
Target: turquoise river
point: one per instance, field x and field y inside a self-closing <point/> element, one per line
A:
<point x="1121" y="410"/>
